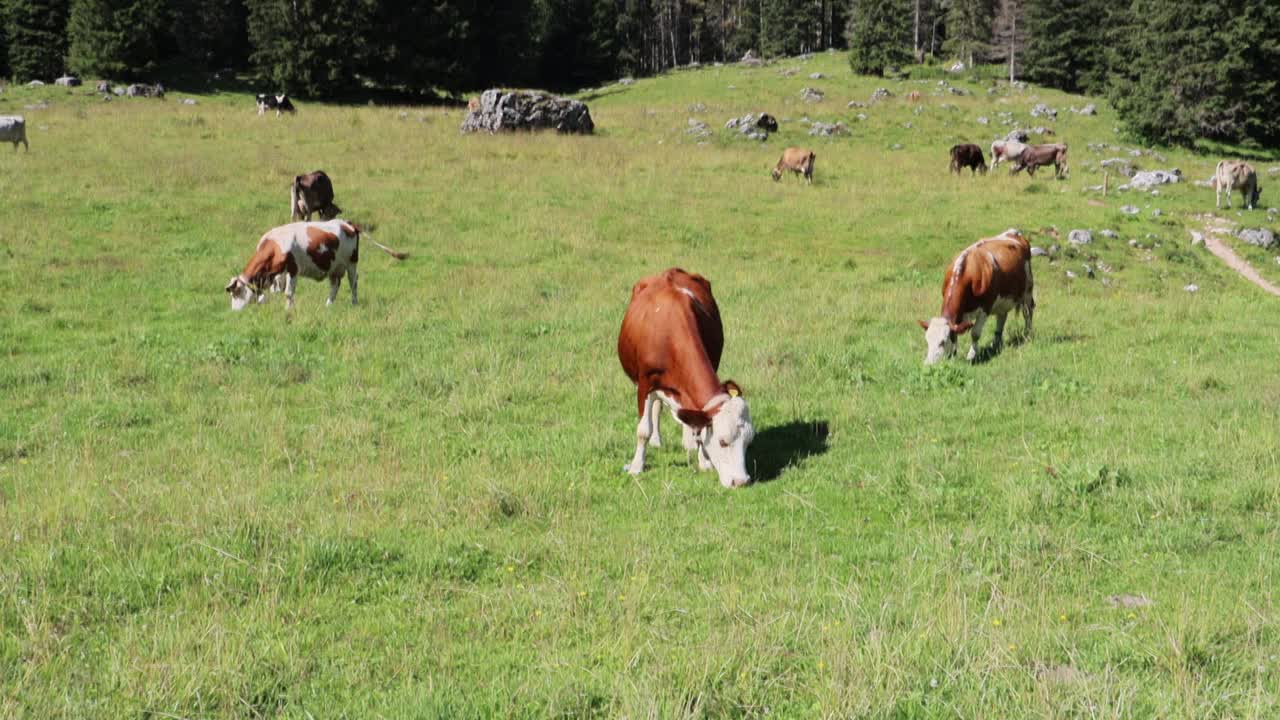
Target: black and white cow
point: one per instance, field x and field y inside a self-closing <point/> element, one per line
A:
<point x="279" y="103"/>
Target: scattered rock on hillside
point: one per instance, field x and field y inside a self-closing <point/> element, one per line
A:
<point x="1192" y="288"/>
<point x="1129" y="601"/>
<point x="856" y="104"/>
<point x="812" y="95"/>
<point x="747" y="126"/>
<point x="68" y="81"/>
<point x="789" y="72"/>
<point x="1109" y="234"/>
<point x="1017" y="135"/>
<point x="816" y="76"/>
<point x="896" y="146"/>
<point x="188" y="101"/>
<point x="862" y="116"/>
<point x="35" y="83"/>
<point x="1157" y="212"/>
<point x="956" y="67"/>
<point x="528" y="110"/>
<point x="1119" y="165"/>
<point x="1079" y="237"/>
<point x="698" y="129"/>
<point x="1196" y="238"/>
<point x="881" y="94"/>
<point x="1037" y="251"/>
<point x="1261" y="237"/>
<point x="1129" y="210"/>
<point x="627" y="81"/>
<point x="697" y="108"/>
<point x="983" y="120"/>
<point x="750" y="60"/>
<point x="828" y="129"/>
<point x="1042" y="110"/>
<point x="1150" y="178"/>
<point x="104" y="86"/>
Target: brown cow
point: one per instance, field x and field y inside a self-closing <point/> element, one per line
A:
<point x="969" y="156"/>
<point x="798" y="161"/>
<point x="990" y="277"/>
<point x="913" y="96"/>
<point x="1036" y="155"/>
<point x="670" y="346"/>
<point x="312" y="193"/>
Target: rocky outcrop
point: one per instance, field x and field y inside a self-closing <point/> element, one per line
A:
<point x="527" y="110"/>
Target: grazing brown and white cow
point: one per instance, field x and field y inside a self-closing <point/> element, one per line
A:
<point x="312" y="193"/>
<point x="990" y="277"/>
<point x="314" y="250"/>
<point x="13" y="128"/>
<point x="1035" y="156"/>
<point x="798" y="161"/>
<point x="1006" y="151"/>
<point x="670" y="347"/>
<point x="969" y="156"/>
<point x="1230" y="175"/>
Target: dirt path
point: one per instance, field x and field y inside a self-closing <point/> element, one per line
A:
<point x="1214" y="229"/>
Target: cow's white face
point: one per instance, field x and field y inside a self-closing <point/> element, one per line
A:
<point x="939" y="339"/>
<point x="240" y="292"/>
<point x="726" y="439"/>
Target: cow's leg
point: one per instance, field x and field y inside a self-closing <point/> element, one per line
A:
<point x="654" y="411"/>
<point x="646" y="400"/>
<point x="290" y="286"/>
<point x="1000" y="319"/>
<point x="975" y="333"/>
<point x="335" y="282"/>
<point x="351" y="278"/>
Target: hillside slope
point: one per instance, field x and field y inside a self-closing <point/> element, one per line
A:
<point x="415" y="507"/>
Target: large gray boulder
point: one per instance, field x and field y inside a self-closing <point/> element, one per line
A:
<point x="527" y="110"/>
<point x="68" y="81"/>
<point x="1148" y="179"/>
<point x="1261" y="237"/>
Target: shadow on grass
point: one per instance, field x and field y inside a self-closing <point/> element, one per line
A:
<point x="779" y="447"/>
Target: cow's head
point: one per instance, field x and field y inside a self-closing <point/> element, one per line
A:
<point x="1257" y="193"/>
<point x="241" y="292"/>
<point x="723" y="434"/>
<point x="940" y="338"/>
<point x="777" y="173"/>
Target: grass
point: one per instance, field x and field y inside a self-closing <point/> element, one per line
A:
<point x="415" y="507"/>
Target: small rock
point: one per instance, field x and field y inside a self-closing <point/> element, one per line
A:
<point x="1151" y="178"/>
<point x="1192" y="288"/>
<point x="697" y="108"/>
<point x="1119" y="165"/>
<point x="35" y="83"/>
<point x="862" y="116"/>
<point x="1111" y="234"/>
<point x="1080" y="237"/>
<point x="1196" y="238"/>
<point x="191" y="101"/>
<point x="1017" y="136"/>
<point x="1071" y="275"/>
<point x="812" y="95"/>
<point x="627" y="81"/>
<point x="1129" y="210"/>
<point x="881" y="94"/>
<point x="816" y="76"/>
<point x="828" y="129"/>
<point x="856" y="104"/>
<point x="68" y="81"/>
<point x="896" y="146"/>
<point x="1037" y="251"/>
<point x="984" y="120"/>
<point x="1129" y="601"/>
<point x="1089" y="109"/>
<point x="1157" y="212"/>
<point x="1042" y="110"/>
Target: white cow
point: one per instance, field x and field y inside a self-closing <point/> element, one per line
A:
<point x="1232" y="175"/>
<point x="13" y="128"/>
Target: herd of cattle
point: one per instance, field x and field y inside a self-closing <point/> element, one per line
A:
<point x="671" y="338"/>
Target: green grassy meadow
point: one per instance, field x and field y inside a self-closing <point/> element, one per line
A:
<point x="416" y="507"/>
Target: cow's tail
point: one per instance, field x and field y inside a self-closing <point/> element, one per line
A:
<point x="293" y="197"/>
<point x="393" y="253"/>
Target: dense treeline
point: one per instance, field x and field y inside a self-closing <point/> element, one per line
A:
<point x="1176" y="70"/>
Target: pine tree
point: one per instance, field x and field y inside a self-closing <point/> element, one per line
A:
<point x="879" y="35"/>
<point x="313" y="47"/>
<point x="211" y="33"/>
<point x="1188" y="70"/>
<point x="1067" y="44"/>
<point x="114" y="38"/>
<point x="36" y="38"/>
<point x="969" y="29"/>
<point x="1009" y="35"/>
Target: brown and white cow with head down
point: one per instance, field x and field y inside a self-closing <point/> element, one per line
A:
<point x="315" y="250"/>
<point x="990" y="277"/>
<point x="1229" y="176"/>
<point x="670" y="346"/>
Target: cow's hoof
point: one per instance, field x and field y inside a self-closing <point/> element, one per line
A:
<point x="655" y="441"/>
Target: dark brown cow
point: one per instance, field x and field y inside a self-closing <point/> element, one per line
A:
<point x="968" y="156"/>
<point x="670" y="346"/>
<point x="1037" y="155"/>
<point x="798" y="161"/>
<point x="312" y="193"/>
<point x="990" y="277"/>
